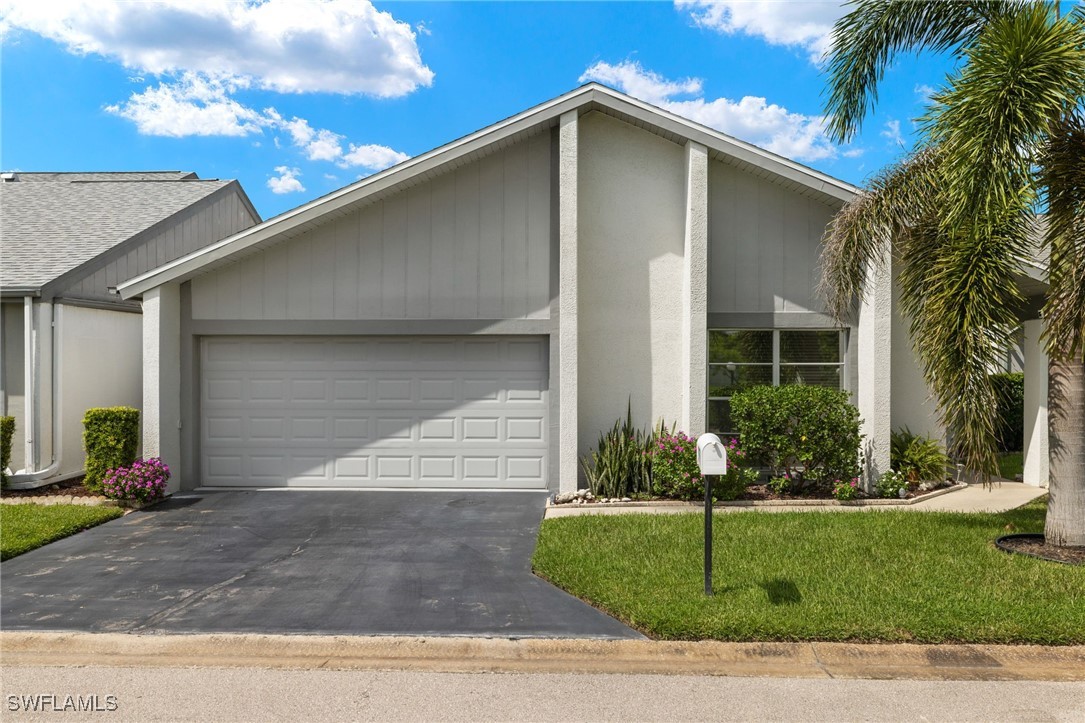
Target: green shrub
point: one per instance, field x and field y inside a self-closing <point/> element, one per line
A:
<point x="917" y="458"/>
<point x="890" y="485"/>
<point x="846" y="489"/>
<point x="111" y="440"/>
<point x="7" y="431"/>
<point x="675" y="473"/>
<point x="620" y="464"/>
<point x="1010" y="423"/>
<point x="809" y="434"/>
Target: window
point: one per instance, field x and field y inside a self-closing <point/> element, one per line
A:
<point x="741" y="358"/>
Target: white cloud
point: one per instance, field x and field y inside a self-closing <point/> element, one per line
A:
<point x="289" y="46"/>
<point x="806" y="24"/>
<point x="317" y="144"/>
<point x="924" y="92"/>
<point x="752" y="119"/>
<point x="193" y="106"/>
<point x="891" y="133"/>
<point x="372" y="157"/>
<point x="649" y="86"/>
<point x="286" y="182"/>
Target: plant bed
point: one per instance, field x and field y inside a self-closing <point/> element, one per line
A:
<point x="1033" y="545"/>
<point x="68" y="492"/>
<point x="67" y="488"/>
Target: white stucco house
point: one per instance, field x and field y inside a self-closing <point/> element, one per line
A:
<point x="68" y="342"/>
<point x="475" y="316"/>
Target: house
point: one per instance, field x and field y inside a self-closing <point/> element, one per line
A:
<point x="475" y="316"/>
<point x="68" y="342"/>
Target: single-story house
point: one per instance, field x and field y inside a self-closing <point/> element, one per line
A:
<point x="475" y="316"/>
<point x="68" y="341"/>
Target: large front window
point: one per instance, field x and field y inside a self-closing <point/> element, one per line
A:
<point x="741" y="358"/>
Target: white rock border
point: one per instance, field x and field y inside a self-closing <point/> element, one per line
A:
<point x="84" y="500"/>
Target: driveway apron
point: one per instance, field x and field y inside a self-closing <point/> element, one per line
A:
<point x="316" y="562"/>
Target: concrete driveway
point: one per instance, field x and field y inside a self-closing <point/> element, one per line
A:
<point x="327" y="562"/>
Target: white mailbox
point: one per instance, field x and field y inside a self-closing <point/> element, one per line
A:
<point x="711" y="455"/>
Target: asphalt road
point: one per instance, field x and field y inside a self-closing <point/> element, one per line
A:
<point x="243" y="694"/>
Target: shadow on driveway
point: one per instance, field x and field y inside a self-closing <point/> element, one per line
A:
<point x="317" y="562"/>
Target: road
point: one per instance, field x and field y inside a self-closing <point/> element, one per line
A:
<point x="242" y="694"/>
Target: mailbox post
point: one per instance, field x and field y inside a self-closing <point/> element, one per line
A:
<point x="712" y="460"/>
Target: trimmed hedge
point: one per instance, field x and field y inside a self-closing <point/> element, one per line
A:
<point x="802" y="432"/>
<point x="111" y="440"/>
<point x="1010" y="424"/>
<point x="7" y="431"/>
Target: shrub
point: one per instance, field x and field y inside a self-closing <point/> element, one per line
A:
<point x="620" y="465"/>
<point x="111" y="439"/>
<point x="917" y="458"/>
<point x="891" y="484"/>
<point x="675" y="473"/>
<point x="808" y="433"/>
<point x="7" y="431"/>
<point x="846" y="489"/>
<point x="143" y="481"/>
<point x="1010" y="423"/>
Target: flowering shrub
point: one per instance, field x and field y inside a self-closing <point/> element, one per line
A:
<point x="891" y="484"/>
<point x="675" y="472"/>
<point x="144" y="480"/>
<point x="846" y="490"/>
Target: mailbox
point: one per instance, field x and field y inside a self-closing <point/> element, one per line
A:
<point x="711" y="455"/>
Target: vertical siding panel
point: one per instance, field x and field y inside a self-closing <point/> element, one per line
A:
<point x="228" y="281"/>
<point x="322" y="275"/>
<point x="770" y="211"/>
<point x="514" y="252"/>
<point x="368" y="230"/>
<point x="276" y="272"/>
<point x="299" y="282"/>
<point x="419" y="246"/>
<point x="443" y="295"/>
<point x="491" y="225"/>
<point x="747" y="245"/>
<point x="538" y="228"/>
<point x="795" y="266"/>
<point x="467" y="234"/>
<point x="394" y="258"/>
<point x="253" y="284"/>
<point x="345" y="273"/>
<point x="110" y="276"/>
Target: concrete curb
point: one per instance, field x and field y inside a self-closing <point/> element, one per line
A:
<point x="473" y="655"/>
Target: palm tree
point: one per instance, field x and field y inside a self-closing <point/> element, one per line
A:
<point x="1002" y="140"/>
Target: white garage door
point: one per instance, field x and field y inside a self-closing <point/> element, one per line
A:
<point x="374" y="412"/>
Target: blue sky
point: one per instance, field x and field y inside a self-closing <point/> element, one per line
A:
<point x="296" y="98"/>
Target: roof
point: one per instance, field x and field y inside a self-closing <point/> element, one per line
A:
<point x="587" y="98"/>
<point x="52" y="223"/>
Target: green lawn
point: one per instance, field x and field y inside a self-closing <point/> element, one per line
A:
<point x="871" y="576"/>
<point x="1011" y="464"/>
<point x="25" y="527"/>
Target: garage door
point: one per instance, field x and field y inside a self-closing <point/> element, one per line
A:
<point x="374" y="412"/>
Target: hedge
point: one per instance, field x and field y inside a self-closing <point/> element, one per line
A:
<point x="111" y="440"/>
<point x="1010" y="424"/>
<point x="7" y="431"/>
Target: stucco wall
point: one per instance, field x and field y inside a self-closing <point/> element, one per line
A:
<point x="472" y="243"/>
<point x="101" y="367"/>
<point x="12" y="369"/>
<point x="912" y="404"/>
<point x="631" y="269"/>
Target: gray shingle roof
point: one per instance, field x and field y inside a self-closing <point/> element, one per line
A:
<point x="51" y="223"/>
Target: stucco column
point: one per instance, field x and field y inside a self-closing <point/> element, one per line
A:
<point x="567" y="301"/>
<point x="874" y="367"/>
<point x="1037" y="457"/>
<point x="162" y="378"/>
<point x="695" y="296"/>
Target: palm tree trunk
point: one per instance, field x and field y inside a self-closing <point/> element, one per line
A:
<point x="1065" y="525"/>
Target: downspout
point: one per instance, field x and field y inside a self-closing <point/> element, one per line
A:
<point x="25" y="480"/>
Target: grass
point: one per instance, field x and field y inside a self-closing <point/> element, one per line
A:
<point x="1011" y="464"/>
<point x="871" y="576"/>
<point x="26" y="527"/>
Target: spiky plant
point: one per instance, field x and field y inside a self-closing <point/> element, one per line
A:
<point x="1002" y="139"/>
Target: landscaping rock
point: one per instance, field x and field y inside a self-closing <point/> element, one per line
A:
<point x="564" y="498"/>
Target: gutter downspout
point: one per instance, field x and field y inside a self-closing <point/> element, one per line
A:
<point x="26" y="479"/>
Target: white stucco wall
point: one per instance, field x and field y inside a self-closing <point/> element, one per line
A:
<point x="162" y="378"/>
<point x="631" y="312"/>
<point x="912" y="404"/>
<point x="1037" y="450"/>
<point x="874" y="368"/>
<point x="100" y="366"/>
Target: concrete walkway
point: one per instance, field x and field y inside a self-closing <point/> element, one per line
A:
<point x="1002" y="496"/>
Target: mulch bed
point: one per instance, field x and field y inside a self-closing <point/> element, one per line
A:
<point x="764" y="494"/>
<point x="68" y="488"/>
<point x="1036" y="547"/>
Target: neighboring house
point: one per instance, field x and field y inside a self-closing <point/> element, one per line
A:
<point x="475" y="316"/>
<point x="68" y="342"/>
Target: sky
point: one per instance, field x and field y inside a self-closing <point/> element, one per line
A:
<point x="297" y="98"/>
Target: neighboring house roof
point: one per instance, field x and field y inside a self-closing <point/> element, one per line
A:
<point x="591" y="97"/>
<point x="53" y="223"/>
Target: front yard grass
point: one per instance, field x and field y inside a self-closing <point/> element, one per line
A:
<point x="869" y="576"/>
<point x="26" y="527"/>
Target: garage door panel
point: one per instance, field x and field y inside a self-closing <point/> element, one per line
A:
<point x="356" y="412"/>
